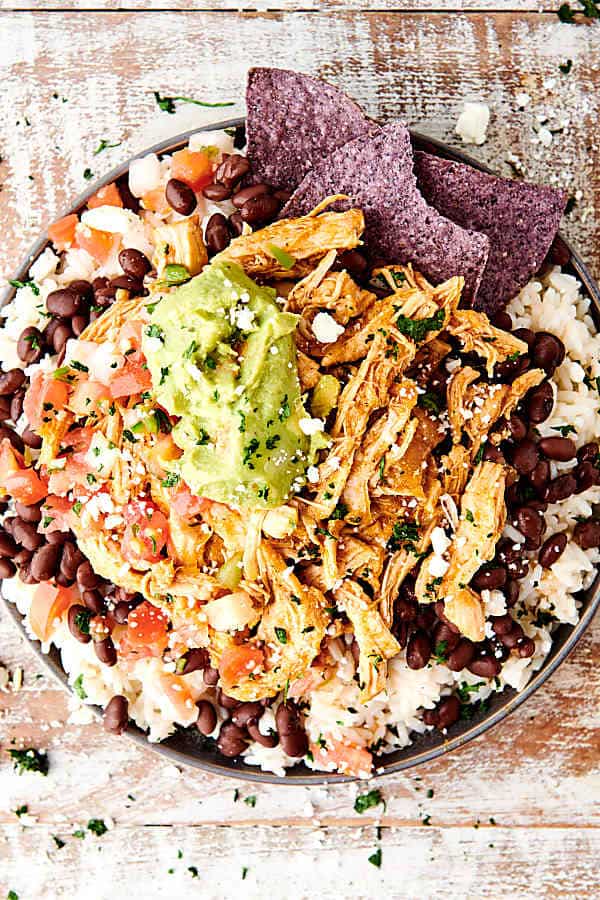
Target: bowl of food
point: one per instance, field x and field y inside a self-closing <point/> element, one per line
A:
<point x="300" y="443"/>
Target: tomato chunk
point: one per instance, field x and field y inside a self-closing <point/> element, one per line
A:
<point x="239" y="661"/>
<point x="62" y="232"/>
<point x="107" y="196"/>
<point x="45" y="397"/>
<point x="50" y="602"/>
<point x="186" y="504"/>
<point x="194" y="167"/>
<point x="345" y="758"/>
<point x="146" y="532"/>
<point x="146" y="624"/>
<point x="132" y="379"/>
<point x="23" y="484"/>
<point x="57" y="515"/>
<point x="99" y="244"/>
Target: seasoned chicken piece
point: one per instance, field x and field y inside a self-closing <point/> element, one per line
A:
<point x="335" y="291"/>
<point x="489" y="403"/>
<point x="375" y="641"/>
<point x="457" y="465"/>
<point x="477" y="335"/>
<point x="355" y="342"/>
<point x="306" y="240"/>
<point x="308" y="371"/>
<point x="406" y="474"/>
<point x="458" y="398"/>
<point x="369" y="462"/>
<point x="465" y="610"/>
<point x="358" y="556"/>
<point x="292" y="628"/>
<point x="180" y="243"/>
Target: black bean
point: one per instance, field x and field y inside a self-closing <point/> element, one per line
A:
<point x="526" y="647"/>
<point x="493" y="453"/>
<point x="30" y="346"/>
<point x="560" y="448"/>
<point x="94" y="601"/>
<point x="4" y="408"/>
<point x="511" y="638"/>
<point x="22" y="558"/>
<point x="461" y="655"/>
<point x="44" y="562"/>
<point x="531" y="525"/>
<point x="210" y="676"/>
<point x="418" y="650"/>
<point x="540" y="476"/>
<point x="60" y="336"/>
<point x="502" y="320"/>
<point x="217" y="192"/>
<point x="129" y="201"/>
<point x="552" y="549"/>
<point x="83" y="288"/>
<point x="525" y="457"/>
<point x="548" y="351"/>
<point x="517" y="427"/>
<point x="79" y="616"/>
<point x="226" y="701"/>
<point x="588" y="453"/>
<point x="560" y="488"/>
<point x="11" y="381"/>
<point x="63" y="580"/>
<point x="180" y="197"/>
<point x="7" y="568"/>
<point x="525" y="334"/>
<point x="444" y="635"/>
<point x="207" y="718"/>
<point x="121" y="612"/>
<point x="79" y="324"/>
<point x="232" y="740"/>
<point x="353" y="261"/>
<point x="106" y="652"/>
<point x="247" y="712"/>
<point x="8" y="546"/>
<point x="511" y="592"/>
<point x="290" y="729"/>
<point x="540" y="403"/>
<point x="431" y="717"/>
<point x="265" y="740"/>
<point x="259" y="209"/>
<point x="31" y="439"/>
<point x="16" y="406"/>
<point x="71" y="559"/>
<point x="439" y="611"/>
<point x="217" y="234"/>
<point x="559" y="253"/>
<point x="484" y="666"/>
<point x="195" y="659"/>
<point x="116" y="715"/>
<point x="405" y="610"/>
<point x="502" y="624"/>
<point x="86" y="577"/>
<point x="489" y="578"/>
<point x="27" y="576"/>
<point x="401" y="630"/>
<point x="587" y="534"/>
<point x="134" y="263"/>
<point x="65" y="302"/>
<point x="236" y="222"/>
<point x="128" y="283"/>
<point x="26" y="535"/>
<point x="511" y="368"/>
<point x="249" y="193"/>
<point x="448" y="711"/>
<point x="232" y="169"/>
<point x="58" y="537"/>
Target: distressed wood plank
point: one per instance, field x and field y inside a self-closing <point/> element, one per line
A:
<point x="429" y="6"/>
<point x="488" y="863"/>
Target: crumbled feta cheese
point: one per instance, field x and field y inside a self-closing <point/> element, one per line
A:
<point x="473" y="122"/>
<point x="439" y="541"/>
<point x="438" y="566"/>
<point x="144" y="175"/>
<point x="311" y="426"/>
<point x="326" y="329"/>
<point x="312" y="473"/>
<point x="114" y="219"/>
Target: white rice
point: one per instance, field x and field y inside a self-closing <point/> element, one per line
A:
<point x="390" y="720"/>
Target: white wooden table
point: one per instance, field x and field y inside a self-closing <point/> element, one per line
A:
<point x="516" y="813"/>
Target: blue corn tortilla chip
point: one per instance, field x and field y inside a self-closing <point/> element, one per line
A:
<point x="293" y="122"/>
<point x="520" y="220"/>
<point x="400" y="227"/>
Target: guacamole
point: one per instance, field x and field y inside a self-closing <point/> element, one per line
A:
<point x="222" y="357"/>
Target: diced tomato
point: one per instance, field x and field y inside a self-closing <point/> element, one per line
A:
<point x="45" y="396"/>
<point x="90" y="397"/>
<point x="107" y="196"/>
<point x="74" y="473"/>
<point x="345" y="758"/>
<point x="239" y="661"/>
<point x="146" y="632"/>
<point x="130" y="335"/>
<point x="57" y="515"/>
<point x="62" y="232"/>
<point x="156" y="201"/>
<point x="132" y="379"/>
<point x="146" y="532"/>
<point x="195" y="167"/>
<point x="186" y="504"/>
<point x="79" y="439"/>
<point x="23" y="484"/>
<point x="99" y="244"/>
<point x="50" y="602"/>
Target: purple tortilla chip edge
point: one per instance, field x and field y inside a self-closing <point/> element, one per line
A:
<point x="377" y="174"/>
<point x="293" y="122"/>
<point x="520" y="219"/>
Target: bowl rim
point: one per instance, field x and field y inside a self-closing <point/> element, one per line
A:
<point x="510" y="699"/>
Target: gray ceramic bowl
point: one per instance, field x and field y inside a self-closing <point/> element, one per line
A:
<point x="186" y="746"/>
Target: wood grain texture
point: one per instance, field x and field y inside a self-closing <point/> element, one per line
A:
<point x="537" y="774"/>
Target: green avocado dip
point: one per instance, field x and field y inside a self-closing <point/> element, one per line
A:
<point x="222" y="357"/>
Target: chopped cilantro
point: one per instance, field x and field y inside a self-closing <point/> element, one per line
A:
<point x="29" y="760"/>
<point x="88" y="174"/>
<point x="58" y="841"/>
<point x="469" y="516"/>
<point x="439" y="653"/>
<point x="564" y="429"/>
<point x="80" y="834"/>
<point x="170" y="480"/>
<point x="340" y="512"/>
<point x="249" y="451"/>
<point x="78" y="684"/>
<point x="155" y="331"/>
<point x="22" y="284"/>
<point x="272" y="441"/>
<point x="244" y="872"/>
<point x="97" y="826"/>
<point x="417" y="329"/>
<point x="367" y="801"/>
<point x="21" y="810"/>
<point x="430" y="401"/>
<point x="281" y="635"/>
<point x="193" y="870"/>
<point x="284" y="412"/>
<point x="176" y="274"/>
<point x="105" y="145"/>
<point x="250" y="801"/>
<point x="167" y="104"/>
<point x="375" y="858"/>
<point x="402" y="532"/>
<point x="129" y="436"/>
